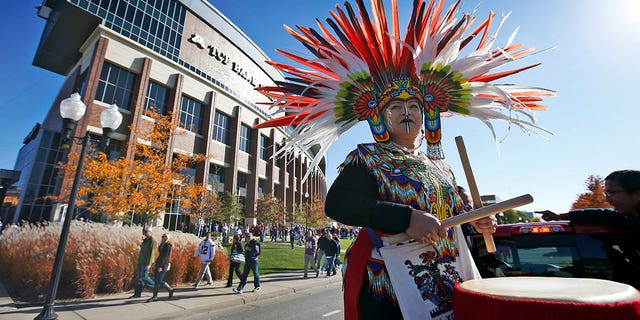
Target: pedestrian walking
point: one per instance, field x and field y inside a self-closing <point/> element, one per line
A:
<point x="207" y="251"/>
<point x="235" y="259"/>
<point x="322" y="246"/>
<point x="337" y="261"/>
<point x="146" y="257"/>
<point x="292" y="236"/>
<point x="251" y="253"/>
<point x="330" y="255"/>
<point x="310" y="248"/>
<point x="162" y="265"/>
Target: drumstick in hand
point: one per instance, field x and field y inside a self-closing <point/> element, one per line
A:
<point x="473" y="189"/>
<point x="472" y="215"/>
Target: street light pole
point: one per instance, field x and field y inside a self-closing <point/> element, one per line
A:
<point x="306" y="210"/>
<point x="48" y="311"/>
<point x="108" y="119"/>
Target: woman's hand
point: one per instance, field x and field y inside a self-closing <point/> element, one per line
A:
<point x="485" y="225"/>
<point x="424" y="227"/>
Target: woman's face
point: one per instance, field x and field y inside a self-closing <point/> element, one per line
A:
<point x="403" y="119"/>
<point x="621" y="200"/>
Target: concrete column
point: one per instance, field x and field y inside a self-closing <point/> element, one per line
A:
<point x="137" y="106"/>
<point x="231" y="172"/>
<point x="202" y="170"/>
<point x="271" y="164"/>
<point x="252" y="178"/>
<point x="174" y="107"/>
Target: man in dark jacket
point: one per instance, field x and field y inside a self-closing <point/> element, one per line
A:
<point x="322" y="246"/>
<point x="330" y="252"/>
<point x="146" y="258"/>
<point x="622" y="191"/>
<point x="251" y="253"/>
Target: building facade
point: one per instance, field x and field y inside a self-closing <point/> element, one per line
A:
<point x="173" y="56"/>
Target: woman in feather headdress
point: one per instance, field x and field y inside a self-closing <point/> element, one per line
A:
<point x="401" y="85"/>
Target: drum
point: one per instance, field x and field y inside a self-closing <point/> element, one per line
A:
<point x="545" y="298"/>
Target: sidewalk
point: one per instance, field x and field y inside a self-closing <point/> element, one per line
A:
<point x="186" y="300"/>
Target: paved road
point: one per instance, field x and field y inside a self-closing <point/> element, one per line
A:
<point x="317" y="303"/>
<point x="205" y="303"/>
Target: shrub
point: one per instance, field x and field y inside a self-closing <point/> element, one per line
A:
<point x="99" y="259"/>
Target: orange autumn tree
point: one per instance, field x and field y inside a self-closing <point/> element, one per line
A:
<point x="594" y="198"/>
<point x="269" y="209"/>
<point x="199" y="203"/>
<point x="316" y="212"/>
<point x="142" y="185"/>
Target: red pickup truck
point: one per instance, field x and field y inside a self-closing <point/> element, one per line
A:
<point x="551" y="249"/>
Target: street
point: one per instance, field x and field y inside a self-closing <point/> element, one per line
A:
<point x="316" y="303"/>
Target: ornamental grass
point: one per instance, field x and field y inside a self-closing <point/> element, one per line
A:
<point x="99" y="259"/>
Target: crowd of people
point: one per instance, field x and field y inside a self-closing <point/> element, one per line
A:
<point x="322" y="253"/>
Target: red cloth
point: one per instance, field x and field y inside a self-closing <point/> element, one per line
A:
<point x="477" y="306"/>
<point x="354" y="276"/>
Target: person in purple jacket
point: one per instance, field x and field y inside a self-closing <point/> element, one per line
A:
<point x="251" y="253"/>
<point x="310" y="247"/>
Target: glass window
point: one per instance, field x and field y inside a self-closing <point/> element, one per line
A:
<point x="157" y="98"/>
<point x="115" y="86"/>
<point x="191" y="114"/>
<point x="261" y="183"/>
<point x="241" y="188"/>
<point x="216" y="179"/>
<point x="245" y="137"/>
<point x="221" y="128"/>
<point x="142" y="14"/>
<point x="264" y="147"/>
<point x="175" y="206"/>
<point x="189" y="173"/>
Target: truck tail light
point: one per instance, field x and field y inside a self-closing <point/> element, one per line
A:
<point x="552" y="228"/>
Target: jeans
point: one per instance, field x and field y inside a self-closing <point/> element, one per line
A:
<point x="158" y="278"/>
<point x="250" y="265"/>
<point x="143" y="279"/>
<point x="331" y="266"/>
<point x="320" y="257"/>
<point x="309" y="259"/>
<point x="233" y="267"/>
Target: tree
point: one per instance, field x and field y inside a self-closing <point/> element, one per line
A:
<point x="298" y="213"/>
<point x="512" y="216"/>
<point x="142" y="185"/>
<point x="316" y="213"/>
<point x="594" y="198"/>
<point x="199" y="203"/>
<point x="269" y="209"/>
<point x="230" y="208"/>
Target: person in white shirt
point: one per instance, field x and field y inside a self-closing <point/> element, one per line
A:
<point x="207" y="251"/>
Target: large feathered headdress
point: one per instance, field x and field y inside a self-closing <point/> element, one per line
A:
<point x="366" y="62"/>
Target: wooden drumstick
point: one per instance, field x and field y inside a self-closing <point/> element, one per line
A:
<point x="473" y="189"/>
<point x="469" y="216"/>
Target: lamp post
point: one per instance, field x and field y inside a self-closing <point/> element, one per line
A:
<point x="72" y="109"/>
<point x="306" y="210"/>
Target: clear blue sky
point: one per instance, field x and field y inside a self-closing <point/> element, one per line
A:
<point x="593" y="68"/>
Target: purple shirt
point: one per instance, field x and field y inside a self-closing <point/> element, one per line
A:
<point x="310" y="245"/>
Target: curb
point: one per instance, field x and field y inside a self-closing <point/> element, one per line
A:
<point x="6" y="303"/>
<point x="186" y="301"/>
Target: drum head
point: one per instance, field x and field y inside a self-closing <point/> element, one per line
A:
<point x="576" y="290"/>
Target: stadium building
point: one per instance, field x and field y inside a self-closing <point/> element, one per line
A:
<point x="176" y="56"/>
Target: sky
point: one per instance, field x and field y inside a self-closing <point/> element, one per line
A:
<point x="592" y="67"/>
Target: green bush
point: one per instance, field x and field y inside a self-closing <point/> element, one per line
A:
<point x="98" y="259"/>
